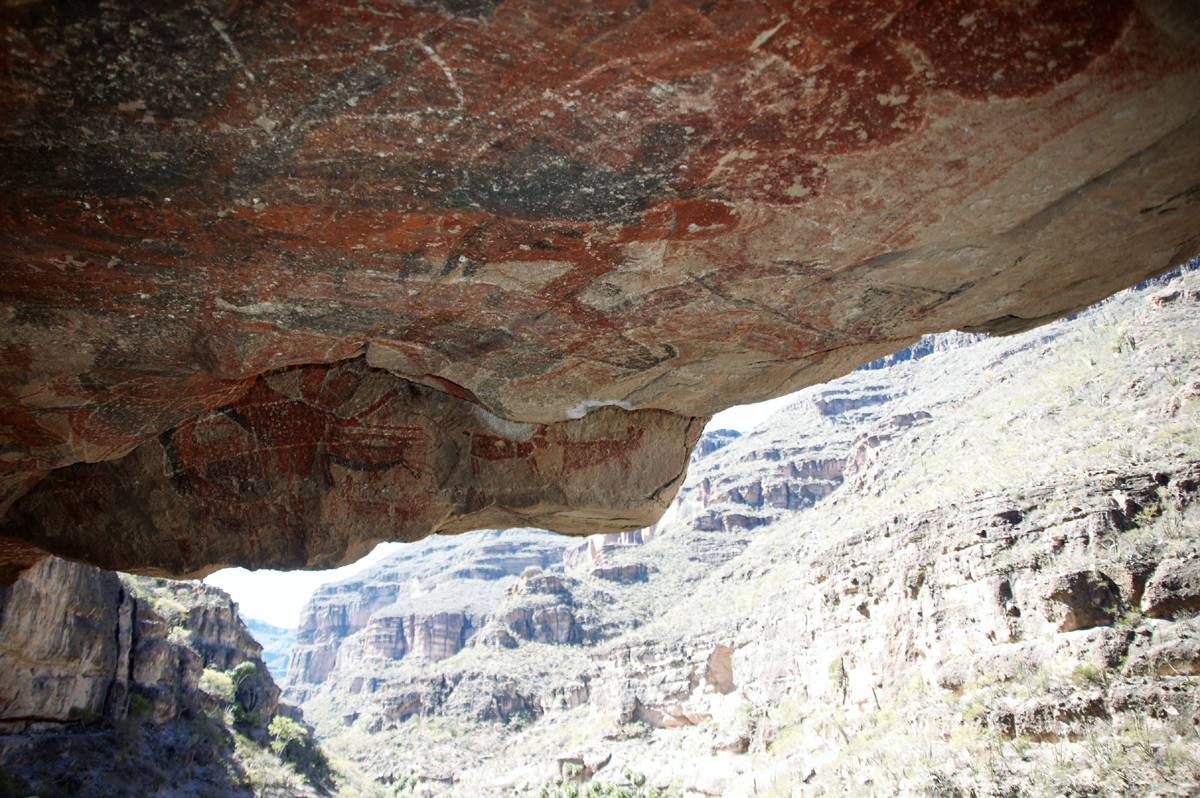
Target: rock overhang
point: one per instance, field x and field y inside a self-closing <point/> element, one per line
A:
<point x="230" y="228"/>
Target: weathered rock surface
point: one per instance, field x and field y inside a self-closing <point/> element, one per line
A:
<point x="427" y="601"/>
<point x="77" y="642"/>
<point x="535" y="210"/>
<point x="118" y="686"/>
<point x="281" y="475"/>
<point x="1174" y="587"/>
<point x="592" y="551"/>
<point x="64" y="633"/>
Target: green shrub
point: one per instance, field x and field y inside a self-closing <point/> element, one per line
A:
<point x="139" y="706"/>
<point x="217" y="684"/>
<point x="1090" y="672"/>
<point x="283" y="731"/>
<point x="1129" y="620"/>
<point x="291" y="743"/>
<point x="179" y="636"/>
<point x="82" y="715"/>
<point x="249" y="718"/>
<point x="243" y="671"/>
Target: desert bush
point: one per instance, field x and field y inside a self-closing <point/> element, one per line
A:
<point x="139" y="706"/>
<point x="284" y="731"/>
<point x="243" y="671"/>
<point x="82" y="715"/>
<point x="217" y="684"/>
<point x="1090" y="672"/>
<point x="291" y="742"/>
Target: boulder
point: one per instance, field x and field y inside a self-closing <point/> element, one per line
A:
<point x="1174" y="587"/>
<point x="629" y="572"/>
<point x="1082" y="600"/>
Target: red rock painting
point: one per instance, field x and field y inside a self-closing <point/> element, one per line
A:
<point x="538" y="208"/>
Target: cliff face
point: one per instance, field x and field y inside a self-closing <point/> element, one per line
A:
<point x="78" y="641"/>
<point x="180" y="630"/>
<point x="466" y="264"/>
<point x="65" y="638"/>
<point x="996" y="599"/>
<point x="119" y="686"/>
<point x="426" y="602"/>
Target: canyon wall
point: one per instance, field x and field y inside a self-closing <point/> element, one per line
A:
<point x="425" y="601"/>
<point x="76" y="642"/>
<point x="998" y="597"/>
<point x="120" y="686"/>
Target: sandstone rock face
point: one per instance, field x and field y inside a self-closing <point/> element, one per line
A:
<point x="351" y="448"/>
<point x="712" y="440"/>
<point x="629" y="572"/>
<point x="58" y="632"/>
<point x="179" y="631"/>
<point x="1084" y="599"/>
<point x="432" y="637"/>
<point x="592" y="550"/>
<point x="532" y="211"/>
<point x="76" y="640"/>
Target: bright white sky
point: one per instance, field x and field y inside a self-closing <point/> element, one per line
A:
<point x="744" y="418"/>
<point x="278" y="596"/>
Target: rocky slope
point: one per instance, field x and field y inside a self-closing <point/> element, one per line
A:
<point x="301" y="277"/>
<point x="995" y="596"/>
<point x="118" y="685"/>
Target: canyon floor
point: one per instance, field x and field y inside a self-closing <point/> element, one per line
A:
<point x="972" y="569"/>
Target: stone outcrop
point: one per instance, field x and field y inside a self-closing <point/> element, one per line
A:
<point x="1080" y="600"/>
<point x="539" y="607"/>
<point x="337" y="275"/>
<point x="480" y="697"/>
<point x="432" y="637"/>
<point x="352" y="448"/>
<point x="593" y="550"/>
<point x="713" y="439"/>
<point x="77" y="642"/>
<point x="1174" y="587"/>
<point x="427" y="602"/>
<point x="627" y="572"/>
<point x="64" y="644"/>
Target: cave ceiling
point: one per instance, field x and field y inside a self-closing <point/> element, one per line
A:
<point x="282" y="280"/>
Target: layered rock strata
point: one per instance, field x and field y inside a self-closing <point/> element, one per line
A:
<point x="532" y="211"/>
<point x="77" y="642"/>
<point x="427" y="602"/>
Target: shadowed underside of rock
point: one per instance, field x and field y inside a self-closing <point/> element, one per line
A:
<point x="315" y="465"/>
<point x="271" y="274"/>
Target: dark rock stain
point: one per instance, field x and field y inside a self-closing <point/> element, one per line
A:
<point x="971" y="44"/>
